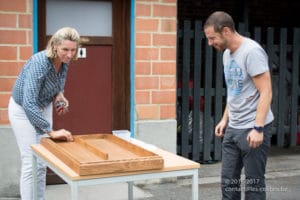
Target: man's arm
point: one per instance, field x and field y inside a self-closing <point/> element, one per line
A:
<point x="264" y="87"/>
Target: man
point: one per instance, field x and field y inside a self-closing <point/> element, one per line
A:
<point x="245" y="124"/>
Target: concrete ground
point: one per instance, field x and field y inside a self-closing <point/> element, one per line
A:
<point x="283" y="182"/>
<point x="282" y="179"/>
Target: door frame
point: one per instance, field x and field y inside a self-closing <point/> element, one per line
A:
<point x="120" y="42"/>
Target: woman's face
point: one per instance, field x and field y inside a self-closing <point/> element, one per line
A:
<point x="66" y="50"/>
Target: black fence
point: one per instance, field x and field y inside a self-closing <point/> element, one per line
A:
<point x="201" y="91"/>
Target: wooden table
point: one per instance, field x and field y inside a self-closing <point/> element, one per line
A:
<point x="174" y="166"/>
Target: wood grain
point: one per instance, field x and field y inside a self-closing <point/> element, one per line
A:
<point x="103" y="153"/>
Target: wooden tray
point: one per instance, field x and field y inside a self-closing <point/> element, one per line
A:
<point x="103" y="153"/>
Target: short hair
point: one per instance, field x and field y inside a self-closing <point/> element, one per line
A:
<point x="66" y="33"/>
<point x="219" y="20"/>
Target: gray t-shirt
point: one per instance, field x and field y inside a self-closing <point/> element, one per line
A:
<point x="247" y="61"/>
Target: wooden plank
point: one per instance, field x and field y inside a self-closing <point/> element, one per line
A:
<point x="172" y="162"/>
<point x="120" y="142"/>
<point x="197" y="139"/>
<point x="219" y="108"/>
<point x="185" y="89"/>
<point x="282" y="88"/>
<point x="242" y="28"/>
<point x="207" y="102"/>
<point x="295" y="85"/>
<point x="61" y="154"/>
<point x="270" y="46"/>
<point x="102" y="153"/>
<point x="119" y="166"/>
<point x="257" y="34"/>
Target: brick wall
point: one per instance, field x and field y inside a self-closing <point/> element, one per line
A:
<point x="15" y="46"/>
<point x="155" y="54"/>
<point x="155" y="59"/>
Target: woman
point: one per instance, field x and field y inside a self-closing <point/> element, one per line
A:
<point x="39" y="85"/>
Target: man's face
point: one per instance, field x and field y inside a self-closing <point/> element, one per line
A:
<point x="215" y="39"/>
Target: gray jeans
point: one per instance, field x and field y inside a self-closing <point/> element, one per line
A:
<point x="237" y="154"/>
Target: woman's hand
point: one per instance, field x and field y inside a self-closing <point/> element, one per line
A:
<point x="61" y="134"/>
<point x="61" y="104"/>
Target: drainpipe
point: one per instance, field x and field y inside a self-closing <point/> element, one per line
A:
<point x="35" y="25"/>
<point x="132" y="51"/>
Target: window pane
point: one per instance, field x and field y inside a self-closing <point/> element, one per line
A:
<point x="89" y="18"/>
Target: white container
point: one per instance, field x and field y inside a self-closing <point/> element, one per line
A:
<point x="124" y="134"/>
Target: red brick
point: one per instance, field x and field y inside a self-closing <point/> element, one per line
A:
<point x="13" y="37"/>
<point x="167" y="112"/>
<point x="25" y="52"/>
<point x="165" y="11"/>
<point x="164" y="39"/>
<point x="142" y="39"/>
<point x="168" y="53"/>
<point x="147" y="112"/>
<point x="142" y="97"/>
<point x="4" y="99"/>
<point x="164" y="68"/>
<point x="143" y="1"/>
<point x="168" y="25"/>
<point x="168" y="83"/>
<point x="10" y="68"/>
<point x="142" y="9"/>
<point x="25" y="21"/>
<point x="4" y="117"/>
<point x="144" y="83"/>
<point x="6" y="84"/>
<point x="146" y="25"/>
<point x="163" y="97"/>
<point x="8" y="53"/>
<point x="29" y="37"/>
<point x="13" y="5"/>
<point x="146" y="53"/>
<point x="142" y="68"/>
<point x="8" y="20"/>
<point x="169" y="1"/>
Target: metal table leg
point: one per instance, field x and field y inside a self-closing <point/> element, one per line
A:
<point x="74" y="190"/>
<point x="130" y="190"/>
<point x="195" y="185"/>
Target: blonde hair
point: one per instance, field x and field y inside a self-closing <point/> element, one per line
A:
<point x="66" y="33"/>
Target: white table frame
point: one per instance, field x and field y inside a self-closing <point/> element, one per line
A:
<point x="129" y="178"/>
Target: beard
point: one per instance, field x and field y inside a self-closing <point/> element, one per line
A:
<point x="219" y="47"/>
<point x="222" y="45"/>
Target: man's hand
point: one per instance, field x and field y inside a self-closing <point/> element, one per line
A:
<point x="219" y="130"/>
<point x="255" y="139"/>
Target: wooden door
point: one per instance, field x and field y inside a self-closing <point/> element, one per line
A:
<point x="119" y="74"/>
<point x="88" y="87"/>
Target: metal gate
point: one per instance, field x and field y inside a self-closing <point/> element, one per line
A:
<point x="201" y="91"/>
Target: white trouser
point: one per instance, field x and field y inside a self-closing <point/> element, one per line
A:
<point x="26" y="135"/>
